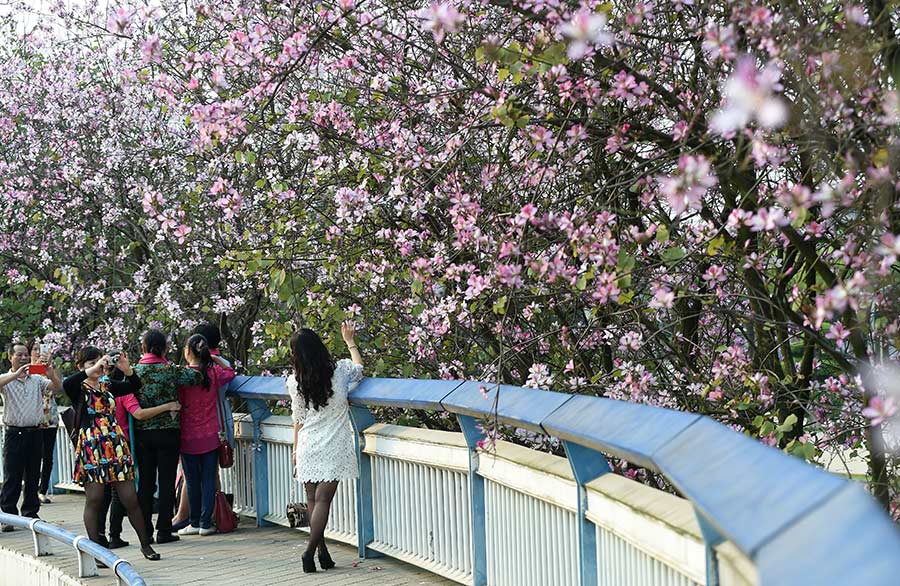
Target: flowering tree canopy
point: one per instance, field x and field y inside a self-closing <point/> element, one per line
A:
<point x="685" y="203"/>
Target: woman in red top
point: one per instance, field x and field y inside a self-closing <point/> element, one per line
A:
<point x="200" y="432"/>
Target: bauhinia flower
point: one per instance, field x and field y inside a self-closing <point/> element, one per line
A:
<point x="879" y="409"/>
<point x="687" y="189"/>
<point x="586" y="29"/>
<point x="441" y="18"/>
<point x="119" y="21"/>
<point x="751" y="96"/>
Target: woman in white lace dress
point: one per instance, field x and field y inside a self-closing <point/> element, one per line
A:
<point x="324" y="450"/>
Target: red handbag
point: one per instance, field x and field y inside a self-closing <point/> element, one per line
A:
<point x="223" y="516"/>
<point x="224" y="452"/>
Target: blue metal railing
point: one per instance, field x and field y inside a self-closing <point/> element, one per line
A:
<point x="89" y="553"/>
<point x="797" y="523"/>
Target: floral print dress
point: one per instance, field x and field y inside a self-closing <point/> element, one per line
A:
<point x="102" y="454"/>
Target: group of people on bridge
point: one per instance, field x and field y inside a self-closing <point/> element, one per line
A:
<point x="133" y="427"/>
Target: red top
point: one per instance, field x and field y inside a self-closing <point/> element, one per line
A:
<point x="199" y="417"/>
<point x="124" y="406"/>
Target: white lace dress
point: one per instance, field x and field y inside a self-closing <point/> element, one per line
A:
<point x="325" y="447"/>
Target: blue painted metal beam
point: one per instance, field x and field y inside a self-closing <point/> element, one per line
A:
<point x="746" y="491"/>
<point x="362" y="420"/>
<point x="847" y="540"/>
<point x="624" y="430"/>
<point x="259" y="411"/>
<point x="516" y="406"/>
<point x="473" y="434"/>
<point x="587" y="465"/>
<point x="403" y="393"/>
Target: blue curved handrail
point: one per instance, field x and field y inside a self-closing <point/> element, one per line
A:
<point x="121" y="567"/>
<point x="798" y="523"/>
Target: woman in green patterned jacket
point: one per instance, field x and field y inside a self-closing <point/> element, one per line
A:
<point x="157" y="440"/>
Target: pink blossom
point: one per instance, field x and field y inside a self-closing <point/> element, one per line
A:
<point x="687" y="189"/>
<point x="750" y="95"/>
<point x="714" y="274"/>
<point x="585" y="29"/>
<point x="879" y="409"/>
<point x="441" y="18"/>
<point x="119" y="21"/>
<point x="539" y="376"/>
<point x="151" y="49"/>
<point x="838" y="332"/>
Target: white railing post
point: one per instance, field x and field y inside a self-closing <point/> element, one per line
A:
<point x="41" y="541"/>
<point x="473" y="434"/>
<point x="587" y="465"/>
<point x="87" y="565"/>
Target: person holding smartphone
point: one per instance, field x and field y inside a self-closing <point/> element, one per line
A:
<point x="23" y="413"/>
<point x="49" y="426"/>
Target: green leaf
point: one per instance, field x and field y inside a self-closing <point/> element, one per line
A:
<point x="238" y="156"/>
<point x="502" y="74"/>
<point x="500" y="306"/>
<point x="662" y="234"/>
<point x="673" y="254"/>
<point x="788" y="424"/>
<point x="250" y="157"/>
<point x="714" y="245"/>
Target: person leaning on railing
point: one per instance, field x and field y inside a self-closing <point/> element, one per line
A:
<point x="102" y="456"/>
<point x="23" y="413"/>
<point x="324" y="451"/>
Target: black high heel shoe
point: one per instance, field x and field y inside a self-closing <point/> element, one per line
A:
<point x="309" y="562"/>
<point x="325" y="561"/>
<point x="150" y="554"/>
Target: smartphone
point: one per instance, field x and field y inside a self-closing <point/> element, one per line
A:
<point x="40" y="369"/>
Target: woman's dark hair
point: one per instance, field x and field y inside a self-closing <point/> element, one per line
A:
<point x="200" y="348"/>
<point x="313" y="368"/>
<point x="209" y="331"/>
<point x="154" y="342"/>
<point x="87" y="354"/>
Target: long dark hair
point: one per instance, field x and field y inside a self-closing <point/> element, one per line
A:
<point x="313" y="367"/>
<point x="154" y="342"/>
<point x="200" y="348"/>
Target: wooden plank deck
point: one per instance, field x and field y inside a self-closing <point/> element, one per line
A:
<point x="249" y="556"/>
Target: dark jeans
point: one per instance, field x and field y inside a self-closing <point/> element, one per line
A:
<point x="156" y="451"/>
<point x="21" y="462"/>
<point x="116" y="510"/>
<point x="200" y="475"/>
<point x="48" y="435"/>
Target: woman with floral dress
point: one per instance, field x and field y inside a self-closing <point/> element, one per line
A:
<point x="102" y="455"/>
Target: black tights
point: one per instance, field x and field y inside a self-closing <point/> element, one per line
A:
<point x="318" y="506"/>
<point x="93" y="504"/>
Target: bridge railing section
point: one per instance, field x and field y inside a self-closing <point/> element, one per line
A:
<point x="750" y="514"/>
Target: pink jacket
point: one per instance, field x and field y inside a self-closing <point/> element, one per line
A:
<point x="199" y="417"/>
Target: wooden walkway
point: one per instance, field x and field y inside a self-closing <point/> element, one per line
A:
<point x="249" y="556"/>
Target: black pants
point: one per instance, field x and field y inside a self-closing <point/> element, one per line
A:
<point x="157" y="452"/>
<point x="116" y="510"/>
<point x="21" y="462"/>
<point x="48" y="437"/>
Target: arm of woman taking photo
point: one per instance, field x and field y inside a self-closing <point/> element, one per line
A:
<point x="348" y="331"/>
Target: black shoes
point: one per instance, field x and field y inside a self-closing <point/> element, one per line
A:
<point x="325" y="561"/>
<point x="115" y="542"/>
<point x="150" y="554"/>
<point x="102" y="540"/>
<point x="309" y="562"/>
<point x="163" y="537"/>
<point x="7" y="528"/>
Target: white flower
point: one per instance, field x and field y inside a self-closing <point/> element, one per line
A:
<point x="539" y="376"/>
